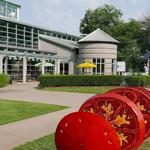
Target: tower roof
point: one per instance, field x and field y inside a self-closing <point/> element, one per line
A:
<point x="98" y="36"/>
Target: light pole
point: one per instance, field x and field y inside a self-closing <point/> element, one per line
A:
<point x="148" y="63"/>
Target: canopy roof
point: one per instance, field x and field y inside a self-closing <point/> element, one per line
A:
<point x="98" y="36"/>
<point x="61" y="42"/>
<point x="45" y="64"/>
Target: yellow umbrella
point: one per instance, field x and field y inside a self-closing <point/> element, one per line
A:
<point x="86" y="65"/>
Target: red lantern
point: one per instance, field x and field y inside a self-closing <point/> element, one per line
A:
<point x="85" y="131"/>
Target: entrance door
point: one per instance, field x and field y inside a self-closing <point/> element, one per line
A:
<point x="64" y="68"/>
<point x="15" y="68"/>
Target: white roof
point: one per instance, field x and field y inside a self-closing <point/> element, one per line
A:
<point x="98" y="36"/>
<point x="62" y="42"/>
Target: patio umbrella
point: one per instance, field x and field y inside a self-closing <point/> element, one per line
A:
<point x="86" y="65"/>
<point x="45" y="64"/>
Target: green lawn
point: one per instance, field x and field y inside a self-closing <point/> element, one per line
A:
<point x="11" y="111"/>
<point x="80" y="89"/>
<point x="44" y="143"/>
<point x="47" y="143"/>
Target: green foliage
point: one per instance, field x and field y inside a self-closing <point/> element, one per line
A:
<point x="80" y="89"/>
<point x="129" y="34"/>
<point x="92" y="80"/>
<point x="44" y="143"/>
<point x="11" y="111"/>
<point x="144" y="39"/>
<point x="79" y="80"/>
<point x="137" y="80"/>
<point x="4" y="80"/>
<point x="47" y="143"/>
<point x="105" y="18"/>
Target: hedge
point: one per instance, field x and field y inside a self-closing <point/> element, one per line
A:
<point x="137" y="80"/>
<point x="4" y="80"/>
<point x="79" y="80"/>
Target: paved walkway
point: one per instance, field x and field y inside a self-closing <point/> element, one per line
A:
<point x="23" y="131"/>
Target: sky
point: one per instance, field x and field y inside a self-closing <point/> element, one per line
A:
<point x="65" y="15"/>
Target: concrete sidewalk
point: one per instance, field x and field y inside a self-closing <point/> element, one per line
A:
<point x="27" y="130"/>
<point x="20" y="132"/>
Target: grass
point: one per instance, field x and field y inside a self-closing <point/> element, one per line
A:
<point x="11" y="111"/>
<point x="80" y="89"/>
<point x="145" y="145"/>
<point x="44" y="143"/>
<point x="47" y="143"/>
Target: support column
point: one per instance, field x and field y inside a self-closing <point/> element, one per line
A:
<point x="1" y="64"/>
<point x="115" y="67"/>
<point x="57" y="66"/>
<point x="24" y="69"/>
<point x="71" y="67"/>
<point x="6" y="65"/>
<point x="43" y="68"/>
<point x="108" y="66"/>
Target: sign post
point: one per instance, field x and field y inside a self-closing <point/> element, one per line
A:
<point x="121" y="67"/>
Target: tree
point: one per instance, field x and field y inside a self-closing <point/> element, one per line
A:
<point x="145" y="36"/>
<point x="108" y="18"/>
<point x="105" y="18"/>
<point x="128" y="34"/>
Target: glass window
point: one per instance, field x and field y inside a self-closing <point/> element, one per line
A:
<point x="12" y="25"/>
<point x="61" y="68"/>
<point x="94" y="60"/>
<point x="2" y="8"/>
<point x="11" y="11"/>
<point x="100" y="66"/>
<point x="98" y="60"/>
<point x="64" y="37"/>
<point x="48" y="33"/>
<point x="42" y="32"/>
<point x="98" y="69"/>
<point x="69" y="38"/>
<point x="3" y="23"/>
<point x="54" y="35"/>
<point x="64" y="68"/>
<point x="102" y="69"/>
<point x="59" y="36"/>
<point x="103" y="60"/>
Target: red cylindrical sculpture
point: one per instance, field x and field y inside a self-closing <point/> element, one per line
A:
<point x="147" y="92"/>
<point x="124" y="116"/>
<point x="85" y="131"/>
<point x="141" y="98"/>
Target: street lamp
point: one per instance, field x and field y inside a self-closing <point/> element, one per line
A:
<point x="148" y="64"/>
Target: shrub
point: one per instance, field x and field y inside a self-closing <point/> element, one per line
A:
<point x="79" y="80"/>
<point x="4" y="80"/>
<point x="137" y="80"/>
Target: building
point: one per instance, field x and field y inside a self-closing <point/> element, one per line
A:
<point x="101" y="49"/>
<point x="23" y="45"/>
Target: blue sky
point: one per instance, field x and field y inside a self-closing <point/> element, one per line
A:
<point x="65" y="15"/>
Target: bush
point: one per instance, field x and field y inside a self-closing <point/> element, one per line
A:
<point x="79" y="80"/>
<point x="4" y="80"/>
<point x="137" y="80"/>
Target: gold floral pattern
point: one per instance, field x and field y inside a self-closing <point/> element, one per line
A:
<point x="141" y="107"/>
<point x="122" y="138"/>
<point x="108" y="110"/>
